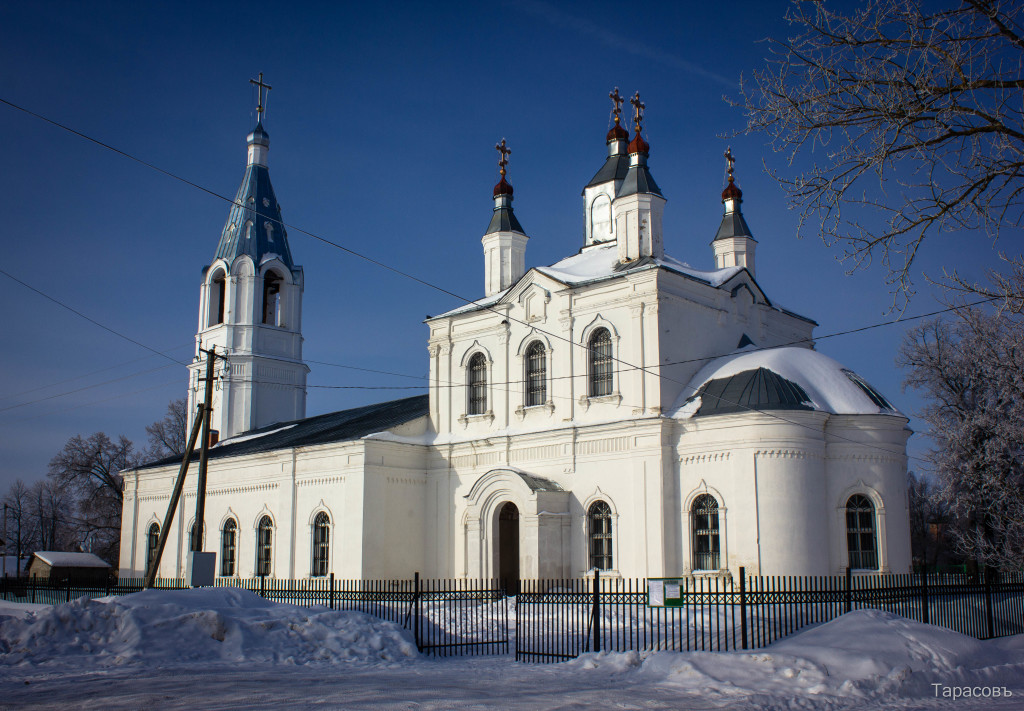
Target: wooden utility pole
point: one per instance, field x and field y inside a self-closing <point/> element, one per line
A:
<point x="202" y="422"/>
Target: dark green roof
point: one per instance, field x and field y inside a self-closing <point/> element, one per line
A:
<point x="340" y="426"/>
<point x="760" y="389"/>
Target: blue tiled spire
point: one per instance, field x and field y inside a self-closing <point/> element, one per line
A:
<point x="254" y="225"/>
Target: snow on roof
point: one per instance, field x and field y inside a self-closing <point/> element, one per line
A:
<point x="255" y="435"/>
<point x="830" y="387"/>
<point x="61" y="559"/>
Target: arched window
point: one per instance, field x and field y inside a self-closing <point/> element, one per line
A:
<point x="599" y="525"/>
<point x="477" y="384"/>
<point x="600" y="349"/>
<point x="536" y="375"/>
<point x="860" y="533"/>
<point x="705" y="533"/>
<point x="321" y="538"/>
<point x="272" y="299"/>
<point x="152" y="541"/>
<point x="228" y="548"/>
<point x="264" y="546"/>
<point x="217" y="298"/>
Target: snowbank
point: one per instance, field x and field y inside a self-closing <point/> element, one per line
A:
<point x="161" y="627"/>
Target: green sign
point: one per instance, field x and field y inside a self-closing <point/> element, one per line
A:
<point x="664" y="592"/>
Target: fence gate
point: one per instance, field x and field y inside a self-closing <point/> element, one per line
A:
<point x="459" y="617"/>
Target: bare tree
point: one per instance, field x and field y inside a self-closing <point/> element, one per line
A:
<point x="23" y="530"/>
<point x="167" y="437"/>
<point x="972" y="370"/>
<point x="49" y="508"/>
<point x="88" y="471"/>
<point x="903" y="120"/>
<point x="929" y="517"/>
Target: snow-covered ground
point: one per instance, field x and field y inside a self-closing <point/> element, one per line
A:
<point x="225" y="648"/>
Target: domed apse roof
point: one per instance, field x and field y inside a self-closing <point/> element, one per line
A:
<point x="779" y="379"/>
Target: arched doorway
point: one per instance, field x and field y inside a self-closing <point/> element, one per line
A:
<point x="508" y="547"/>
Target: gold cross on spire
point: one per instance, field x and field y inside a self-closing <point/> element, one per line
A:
<point x="730" y="161"/>
<point x="617" y="99"/>
<point x="260" y="105"/>
<point x="504" y="150"/>
<point x="638" y="111"/>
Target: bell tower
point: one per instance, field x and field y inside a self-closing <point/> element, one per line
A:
<point x="250" y="307"/>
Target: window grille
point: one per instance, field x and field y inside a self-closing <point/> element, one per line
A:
<point x="705" y="533"/>
<point x="599" y="518"/>
<point x="228" y="548"/>
<point x="600" y="363"/>
<point x="477" y="384"/>
<point x="264" y="543"/>
<point x="860" y="533"/>
<point x="152" y="541"/>
<point x="536" y="375"/>
<point x="321" y="537"/>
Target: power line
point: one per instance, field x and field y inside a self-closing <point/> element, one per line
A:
<point x="87" y="318"/>
<point x="87" y="387"/>
<point x="383" y="265"/>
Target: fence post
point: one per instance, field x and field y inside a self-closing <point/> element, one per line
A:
<point x="743" y="605"/>
<point x="924" y="594"/>
<point x="416" y="609"/>
<point x="262" y="579"/>
<point x="989" y="616"/>
<point x="849" y="592"/>
<point x="33" y="587"/>
<point x="596" y="611"/>
<point x="68" y="581"/>
<point x="332" y="591"/>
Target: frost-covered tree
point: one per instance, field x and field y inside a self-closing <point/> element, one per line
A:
<point x="901" y="120"/>
<point x="972" y="371"/>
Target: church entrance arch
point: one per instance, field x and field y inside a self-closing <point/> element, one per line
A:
<point x="507" y="549"/>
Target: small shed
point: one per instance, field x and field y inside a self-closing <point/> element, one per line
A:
<point x="62" y="567"/>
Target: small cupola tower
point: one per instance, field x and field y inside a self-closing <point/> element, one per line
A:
<point x="250" y="308"/>
<point x="504" y="242"/>
<point x="733" y="245"/>
<point x="638" y="205"/>
<point x="598" y="195"/>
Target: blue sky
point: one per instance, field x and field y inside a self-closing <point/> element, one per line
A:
<point x="382" y="119"/>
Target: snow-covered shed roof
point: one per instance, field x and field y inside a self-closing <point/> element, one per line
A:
<point x="779" y="378"/>
<point x="64" y="559"/>
<point x="338" y="426"/>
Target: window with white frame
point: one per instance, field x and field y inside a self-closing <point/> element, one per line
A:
<point x="536" y="374"/>
<point x="321" y="540"/>
<point x="152" y="542"/>
<point x="264" y="546"/>
<point x="861" y="541"/>
<point x="704" y="516"/>
<point x="599" y="533"/>
<point x="477" y="384"/>
<point x="229" y="548"/>
<point x="600" y="363"/>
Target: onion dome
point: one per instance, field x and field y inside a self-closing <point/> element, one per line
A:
<point x="732" y="191"/>
<point x="639" y="145"/>
<point x="618" y="133"/>
<point x="503" y="187"/>
<point x="259" y="136"/>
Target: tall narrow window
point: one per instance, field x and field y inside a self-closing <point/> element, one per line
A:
<point x="860" y="533"/>
<point x="536" y="375"/>
<point x="228" y="548"/>
<point x="599" y="523"/>
<point x="264" y="545"/>
<point x="705" y="533"/>
<point x="600" y="348"/>
<point x="477" y="384"/>
<point x="272" y="299"/>
<point x="321" y="539"/>
<point x="217" y="297"/>
<point x="152" y="541"/>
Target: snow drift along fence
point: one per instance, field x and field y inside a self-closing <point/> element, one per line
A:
<point x="561" y="619"/>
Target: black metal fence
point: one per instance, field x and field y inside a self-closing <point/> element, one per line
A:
<point x="561" y="619"/>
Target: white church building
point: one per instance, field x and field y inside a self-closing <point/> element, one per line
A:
<point x="618" y="410"/>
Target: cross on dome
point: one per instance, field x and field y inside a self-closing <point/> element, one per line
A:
<point x="261" y="96"/>
<point x="732" y="190"/>
<point x="618" y="100"/>
<point x="730" y="162"/>
<point x="638" y="111"/>
<point x="504" y="150"/>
